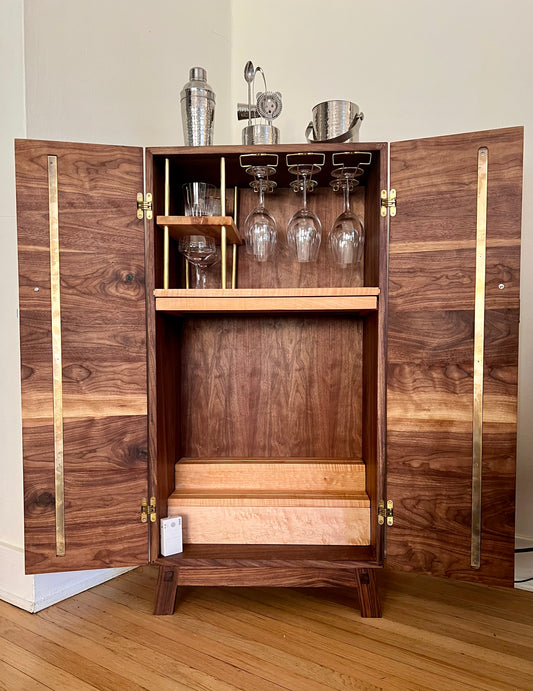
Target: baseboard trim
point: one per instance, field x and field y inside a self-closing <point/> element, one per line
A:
<point x="51" y="588"/>
<point x="523" y="570"/>
<point x="34" y="593"/>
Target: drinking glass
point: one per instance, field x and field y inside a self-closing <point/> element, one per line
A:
<point x="260" y="232"/>
<point x="347" y="235"/>
<point x="201" y="252"/>
<point x="304" y="232"/>
<point x="196" y="197"/>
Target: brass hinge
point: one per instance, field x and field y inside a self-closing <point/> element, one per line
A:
<point x="148" y="510"/>
<point x="386" y="512"/>
<point x="388" y="201"/>
<point x="144" y="205"/>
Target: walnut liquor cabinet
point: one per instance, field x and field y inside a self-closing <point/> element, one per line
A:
<point x="295" y="421"/>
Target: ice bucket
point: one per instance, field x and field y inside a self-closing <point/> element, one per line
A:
<point x="335" y="121"/>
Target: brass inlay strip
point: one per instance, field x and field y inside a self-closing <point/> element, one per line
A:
<point x="223" y="213"/>
<point x="479" y="328"/>
<point x="165" y="228"/>
<point x="234" y="258"/>
<point x="57" y="370"/>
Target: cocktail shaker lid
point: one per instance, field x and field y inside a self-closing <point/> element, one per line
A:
<point x="197" y="84"/>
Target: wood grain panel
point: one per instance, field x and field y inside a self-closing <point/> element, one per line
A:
<point x="287" y="474"/>
<point x="266" y="386"/>
<point x="267" y="576"/>
<point x="430" y="354"/>
<point x="103" y="352"/>
<point x="272" y="525"/>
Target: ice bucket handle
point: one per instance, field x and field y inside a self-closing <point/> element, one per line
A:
<point x="344" y="137"/>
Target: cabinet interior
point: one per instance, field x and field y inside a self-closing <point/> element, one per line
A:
<point x="271" y="416"/>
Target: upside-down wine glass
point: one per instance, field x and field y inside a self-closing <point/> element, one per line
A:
<point x="260" y="231"/>
<point x="201" y="251"/>
<point x="347" y="235"/>
<point x="304" y="232"/>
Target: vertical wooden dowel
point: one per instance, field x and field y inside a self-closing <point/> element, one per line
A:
<point x="223" y="258"/>
<point x="166" y="240"/>
<point x="234" y="257"/>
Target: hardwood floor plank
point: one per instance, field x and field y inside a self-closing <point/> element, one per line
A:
<point x="368" y="667"/>
<point x="219" y="642"/>
<point x="124" y="635"/>
<point x="435" y="635"/>
<point x="74" y="653"/>
<point x="385" y="654"/>
<point x="34" y="665"/>
<point x="12" y="678"/>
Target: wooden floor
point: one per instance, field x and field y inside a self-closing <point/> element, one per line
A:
<point x="434" y="634"/>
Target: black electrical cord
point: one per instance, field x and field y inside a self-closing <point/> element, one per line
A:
<point x="525" y="580"/>
<point x="524" y="549"/>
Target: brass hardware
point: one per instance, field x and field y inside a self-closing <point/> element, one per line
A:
<point x="234" y="257"/>
<point x="223" y="258"/>
<point x="57" y="369"/>
<point x="479" y="328"/>
<point x="388" y="201"/>
<point x="266" y="160"/>
<point x="336" y="158"/>
<point x="144" y="205"/>
<point x="386" y="513"/>
<point x="148" y="510"/>
<point x="166" y="239"/>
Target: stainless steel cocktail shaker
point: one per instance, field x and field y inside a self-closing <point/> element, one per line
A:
<point x="197" y="109"/>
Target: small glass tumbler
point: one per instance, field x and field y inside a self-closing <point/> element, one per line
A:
<point x="213" y="205"/>
<point x="196" y="197"/>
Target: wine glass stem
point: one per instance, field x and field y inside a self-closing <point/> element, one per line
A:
<point x="347" y="197"/>
<point x="261" y="194"/>
<point x="200" y="277"/>
<point x="304" y="190"/>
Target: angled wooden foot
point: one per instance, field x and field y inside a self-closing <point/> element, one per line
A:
<point x="365" y="580"/>
<point x="166" y="590"/>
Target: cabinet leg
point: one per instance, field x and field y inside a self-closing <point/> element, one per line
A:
<point x="166" y="591"/>
<point x="365" y="580"/>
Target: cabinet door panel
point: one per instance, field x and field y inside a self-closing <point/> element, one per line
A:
<point x="103" y="353"/>
<point x="431" y="354"/>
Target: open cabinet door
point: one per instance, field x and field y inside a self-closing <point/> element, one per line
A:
<point x="83" y="355"/>
<point x="433" y="418"/>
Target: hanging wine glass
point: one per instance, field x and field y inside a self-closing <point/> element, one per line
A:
<point x="347" y="235"/>
<point x="260" y="231"/>
<point x="201" y="252"/>
<point x="304" y="232"/>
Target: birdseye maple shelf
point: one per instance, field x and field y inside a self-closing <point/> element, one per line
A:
<point x="359" y="300"/>
<point x="181" y="226"/>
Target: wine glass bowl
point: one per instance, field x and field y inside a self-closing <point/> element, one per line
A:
<point x="201" y="252"/>
<point x="347" y="235"/>
<point x="304" y="231"/>
<point x="260" y="230"/>
<point x="260" y="235"/>
<point x="346" y="239"/>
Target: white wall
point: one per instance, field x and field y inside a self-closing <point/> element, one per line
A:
<point x="417" y="68"/>
<point x="13" y="584"/>
<point x="111" y="71"/>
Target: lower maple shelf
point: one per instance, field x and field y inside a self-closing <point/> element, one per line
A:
<point x="279" y="501"/>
